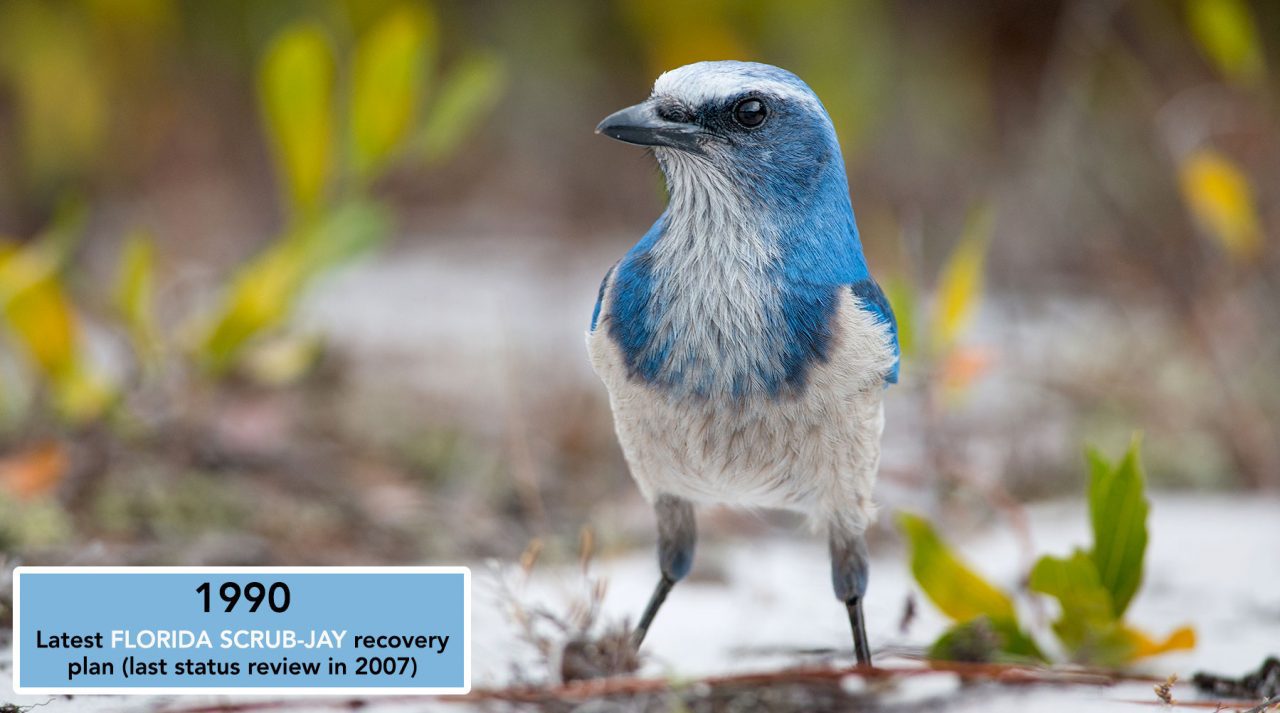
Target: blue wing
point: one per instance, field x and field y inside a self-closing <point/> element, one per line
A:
<point x="873" y="300"/>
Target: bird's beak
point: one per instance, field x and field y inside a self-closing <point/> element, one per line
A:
<point x="641" y="125"/>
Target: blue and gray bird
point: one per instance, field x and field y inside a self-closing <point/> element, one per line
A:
<point x="745" y="346"/>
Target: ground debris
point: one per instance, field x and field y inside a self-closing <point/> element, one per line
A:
<point x="801" y="688"/>
<point x="775" y="696"/>
<point x="610" y="654"/>
<point x="1262" y="684"/>
<point x="1164" y="691"/>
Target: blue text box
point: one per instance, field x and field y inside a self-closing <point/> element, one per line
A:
<point x="316" y="629"/>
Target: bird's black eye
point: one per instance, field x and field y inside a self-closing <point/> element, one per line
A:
<point x="750" y="112"/>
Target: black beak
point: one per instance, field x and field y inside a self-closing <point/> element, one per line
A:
<point x="641" y="125"/>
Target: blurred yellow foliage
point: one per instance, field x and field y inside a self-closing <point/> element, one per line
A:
<point x="388" y="75"/>
<point x="283" y="360"/>
<point x="59" y="86"/>
<point x="1181" y="639"/>
<point x="1227" y="34"/>
<point x="961" y="282"/>
<point x="950" y="584"/>
<point x="295" y="84"/>
<point x="37" y="310"/>
<point x="679" y="33"/>
<point x="135" y="293"/>
<point x="260" y="297"/>
<point x="41" y="318"/>
<point x="1220" y="199"/>
<point x="265" y="291"/>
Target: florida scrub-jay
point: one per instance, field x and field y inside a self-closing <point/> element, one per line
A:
<point x="744" y="344"/>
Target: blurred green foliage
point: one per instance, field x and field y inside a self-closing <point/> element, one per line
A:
<point x="1226" y="31"/>
<point x="1093" y="588"/>
<point x="390" y="65"/>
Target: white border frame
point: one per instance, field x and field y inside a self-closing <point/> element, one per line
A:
<point x="252" y="691"/>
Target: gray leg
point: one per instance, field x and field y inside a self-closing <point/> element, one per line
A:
<point x="849" y="576"/>
<point x="677" y="535"/>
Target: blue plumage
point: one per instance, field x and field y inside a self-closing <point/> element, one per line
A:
<point x="799" y="198"/>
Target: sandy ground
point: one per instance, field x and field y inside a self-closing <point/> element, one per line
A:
<point x="1211" y="564"/>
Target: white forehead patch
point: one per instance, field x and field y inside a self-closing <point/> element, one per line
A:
<point x="704" y="82"/>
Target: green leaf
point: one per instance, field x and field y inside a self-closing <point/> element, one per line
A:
<point x="1227" y="34"/>
<point x="949" y="583"/>
<point x="1087" y="615"/>
<point x="350" y="231"/>
<point x="470" y="91"/>
<point x="983" y="640"/>
<point x="388" y="73"/>
<point x="1118" y="512"/>
<point x="295" y="88"/>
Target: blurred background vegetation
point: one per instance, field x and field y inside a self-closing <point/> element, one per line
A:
<point x="306" y="282"/>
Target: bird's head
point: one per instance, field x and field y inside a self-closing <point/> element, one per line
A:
<point x="753" y="127"/>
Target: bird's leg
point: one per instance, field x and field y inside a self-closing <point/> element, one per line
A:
<point x="677" y="535"/>
<point x="849" y="576"/>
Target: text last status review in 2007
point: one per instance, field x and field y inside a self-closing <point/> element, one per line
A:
<point x="203" y="630"/>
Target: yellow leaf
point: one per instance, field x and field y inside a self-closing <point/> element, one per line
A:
<point x="388" y="72"/>
<point x="81" y="393"/>
<point x="295" y="87"/>
<point x="37" y="310"/>
<point x="961" y="283"/>
<point x="1219" y="197"/>
<point x="264" y="292"/>
<point x="261" y="296"/>
<point x="283" y="360"/>
<point x="1227" y="34"/>
<point x="949" y="583"/>
<point x="42" y="319"/>
<point x="1143" y="645"/>
<point x="134" y="292"/>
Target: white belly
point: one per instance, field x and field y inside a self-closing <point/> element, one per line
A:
<point x="815" y="452"/>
